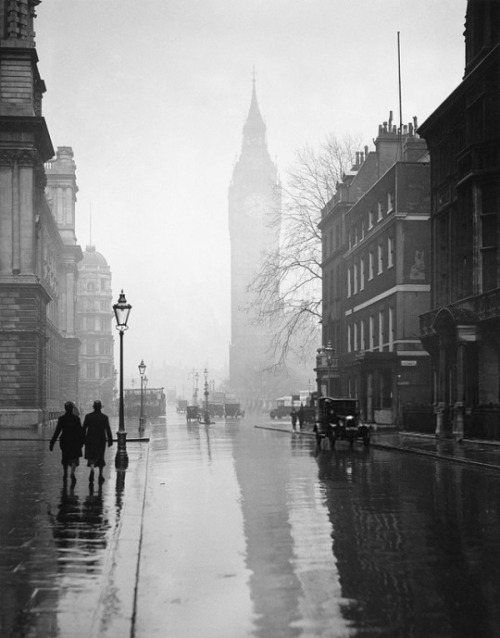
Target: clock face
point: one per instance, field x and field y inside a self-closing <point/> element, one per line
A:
<point x="255" y="206"/>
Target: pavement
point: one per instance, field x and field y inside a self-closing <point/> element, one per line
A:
<point x="68" y="554"/>
<point x="70" y="557"/>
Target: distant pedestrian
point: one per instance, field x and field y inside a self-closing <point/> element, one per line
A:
<point x="96" y="432"/>
<point x="293" y="414"/>
<point x="301" y="416"/>
<point x="69" y="429"/>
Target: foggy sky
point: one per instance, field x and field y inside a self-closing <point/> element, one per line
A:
<point x="153" y="95"/>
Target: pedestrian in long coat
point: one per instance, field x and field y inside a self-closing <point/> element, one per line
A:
<point x="96" y="432"/>
<point x="69" y="429"/>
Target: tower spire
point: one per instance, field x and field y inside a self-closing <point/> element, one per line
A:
<point x="254" y="131"/>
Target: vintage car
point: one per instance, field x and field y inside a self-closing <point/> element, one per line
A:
<point x="339" y="420"/>
<point x="192" y="413"/>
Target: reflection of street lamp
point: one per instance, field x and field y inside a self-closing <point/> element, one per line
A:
<point x="145" y="415"/>
<point x="122" y="310"/>
<point x="142" y="370"/>
<point x="207" y="414"/>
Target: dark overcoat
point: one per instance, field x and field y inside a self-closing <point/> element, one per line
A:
<point x="69" y="429"/>
<point x="96" y="433"/>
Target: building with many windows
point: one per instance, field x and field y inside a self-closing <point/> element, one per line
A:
<point x="38" y="250"/>
<point x="376" y="282"/>
<point x="94" y="321"/>
<point x="461" y="330"/>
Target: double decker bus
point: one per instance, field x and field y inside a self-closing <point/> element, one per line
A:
<point x="155" y="402"/>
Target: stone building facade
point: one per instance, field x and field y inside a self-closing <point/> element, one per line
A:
<point x="461" y="331"/>
<point x="94" y="328"/>
<point x="376" y="244"/>
<point x="38" y="346"/>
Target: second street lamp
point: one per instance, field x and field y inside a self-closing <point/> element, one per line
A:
<point x="142" y="370"/>
<point x="122" y="310"/>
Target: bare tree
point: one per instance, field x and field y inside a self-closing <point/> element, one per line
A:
<point x="287" y="288"/>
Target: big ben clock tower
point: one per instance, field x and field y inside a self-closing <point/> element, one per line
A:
<point x="254" y="208"/>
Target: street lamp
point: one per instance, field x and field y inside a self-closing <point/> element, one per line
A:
<point x="195" y="396"/>
<point x="145" y="415"/>
<point x="329" y="351"/>
<point x="122" y="310"/>
<point x="142" y="370"/>
<point x="207" y="414"/>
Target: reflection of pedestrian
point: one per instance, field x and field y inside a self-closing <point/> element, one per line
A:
<point x="96" y="432"/>
<point x="293" y="414"/>
<point x="69" y="428"/>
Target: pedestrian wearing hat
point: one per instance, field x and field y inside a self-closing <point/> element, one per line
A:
<point x="96" y="432"/>
<point x="69" y="429"/>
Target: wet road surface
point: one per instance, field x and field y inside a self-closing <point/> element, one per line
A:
<point x="230" y="530"/>
<point x="248" y="533"/>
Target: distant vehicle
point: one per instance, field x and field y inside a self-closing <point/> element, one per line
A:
<point x="283" y="407"/>
<point x="216" y="404"/>
<point x="285" y="404"/>
<point x="216" y="409"/>
<point x="233" y="411"/>
<point x="154" y="402"/>
<point x="192" y="413"/>
<point x="182" y="405"/>
<point x="339" y="420"/>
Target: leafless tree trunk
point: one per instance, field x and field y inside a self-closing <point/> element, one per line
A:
<point x="288" y="285"/>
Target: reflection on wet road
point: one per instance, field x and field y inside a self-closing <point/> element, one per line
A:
<point x="248" y="533"/>
<point x="56" y="540"/>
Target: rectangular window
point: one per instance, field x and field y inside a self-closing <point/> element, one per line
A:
<point x="370" y="265"/>
<point x="390" y="203"/>
<point x="380" y="258"/>
<point x="349" y="344"/>
<point x="380" y="211"/>
<point x="349" y="283"/>
<point x="370" y="219"/>
<point x="104" y="370"/>
<point x="362" y="274"/>
<point x="371" y="335"/>
<point x="362" y="334"/>
<point x="390" y="252"/>
<point x="391" y="329"/>
<point x="381" y="330"/>
<point x="355" y="279"/>
<point x="355" y="327"/>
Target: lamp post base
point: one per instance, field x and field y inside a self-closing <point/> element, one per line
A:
<point x="121" y="458"/>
